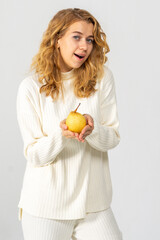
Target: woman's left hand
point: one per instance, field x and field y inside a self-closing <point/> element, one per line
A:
<point x="87" y="130"/>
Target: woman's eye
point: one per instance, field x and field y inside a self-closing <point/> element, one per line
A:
<point x="76" y="37"/>
<point x="90" y="40"/>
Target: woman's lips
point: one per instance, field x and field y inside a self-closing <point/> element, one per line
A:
<point x="79" y="57"/>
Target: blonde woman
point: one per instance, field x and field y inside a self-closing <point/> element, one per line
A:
<point x="67" y="188"/>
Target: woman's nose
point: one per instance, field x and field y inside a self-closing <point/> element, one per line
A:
<point x="83" y="45"/>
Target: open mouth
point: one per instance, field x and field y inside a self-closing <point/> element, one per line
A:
<point x="79" y="56"/>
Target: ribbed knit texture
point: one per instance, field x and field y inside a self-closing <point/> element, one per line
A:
<point x="100" y="225"/>
<point x="64" y="178"/>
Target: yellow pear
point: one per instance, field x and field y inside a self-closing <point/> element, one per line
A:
<point x="75" y="121"/>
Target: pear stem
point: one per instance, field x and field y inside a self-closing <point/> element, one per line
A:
<point x="77" y="107"/>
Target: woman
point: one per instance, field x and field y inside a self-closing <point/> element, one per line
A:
<point x="67" y="190"/>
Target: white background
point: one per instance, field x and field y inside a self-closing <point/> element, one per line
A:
<point x="133" y="36"/>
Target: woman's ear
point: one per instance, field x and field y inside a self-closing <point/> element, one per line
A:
<point x="57" y="43"/>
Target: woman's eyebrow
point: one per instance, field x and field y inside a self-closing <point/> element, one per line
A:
<point x="82" y="34"/>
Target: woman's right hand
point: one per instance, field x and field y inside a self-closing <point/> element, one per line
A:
<point x="67" y="133"/>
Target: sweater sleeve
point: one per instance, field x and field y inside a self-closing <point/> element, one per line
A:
<point x="105" y="134"/>
<point x="40" y="149"/>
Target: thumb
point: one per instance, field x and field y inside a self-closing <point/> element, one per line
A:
<point x="90" y="121"/>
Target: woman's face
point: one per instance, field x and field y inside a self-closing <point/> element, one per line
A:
<point x="76" y="45"/>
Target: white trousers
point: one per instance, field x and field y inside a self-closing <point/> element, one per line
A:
<point x="95" y="226"/>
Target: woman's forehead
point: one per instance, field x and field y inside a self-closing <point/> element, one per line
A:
<point x="81" y="27"/>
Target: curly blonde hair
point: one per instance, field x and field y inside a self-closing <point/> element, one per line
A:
<point x="46" y="61"/>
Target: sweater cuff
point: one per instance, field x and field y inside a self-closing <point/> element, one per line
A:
<point x="103" y="137"/>
<point x="45" y="151"/>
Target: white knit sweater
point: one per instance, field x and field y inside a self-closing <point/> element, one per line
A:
<point x="65" y="178"/>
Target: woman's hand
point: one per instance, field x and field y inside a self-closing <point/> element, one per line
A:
<point x="66" y="133"/>
<point x="87" y="130"/>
